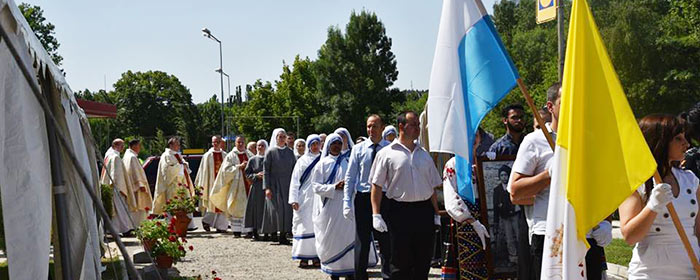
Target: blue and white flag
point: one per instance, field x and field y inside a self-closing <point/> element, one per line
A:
<point x="471" y="73"/>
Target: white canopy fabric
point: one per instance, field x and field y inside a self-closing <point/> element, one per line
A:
<point x="25" y="170"/>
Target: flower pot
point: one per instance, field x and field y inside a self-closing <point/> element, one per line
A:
<point x="163" y="261"/>
<point x="181" y="222"/>
<point x="148" y="244"/>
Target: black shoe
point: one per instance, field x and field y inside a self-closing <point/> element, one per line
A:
<point x="273" y="237"/>
<point x="248" y="235"/>
<point x="221" y="231"/>
<point x="237" y="234"/>
<point x="265" y="237"/>
<point x="129" y="233"/>
<point x="192" y="229"/>
<point x="206" y="226"/>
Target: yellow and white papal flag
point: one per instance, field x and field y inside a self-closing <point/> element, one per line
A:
<point x="600" y="157"/>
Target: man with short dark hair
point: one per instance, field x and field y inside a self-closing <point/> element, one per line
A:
<point x="290" y="140"/>
<point x="529" y="185"/>
<point x="356" y="199"/>
<point x="408" y="175"/>
<point x="514" y="121"/>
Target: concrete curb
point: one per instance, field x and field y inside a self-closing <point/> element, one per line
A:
<point x="616" y="271"/>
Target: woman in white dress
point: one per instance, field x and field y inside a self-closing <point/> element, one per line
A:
<point x="335" y="235"/>
<point x="645" y="221"/>
<point x="301" y="197"/>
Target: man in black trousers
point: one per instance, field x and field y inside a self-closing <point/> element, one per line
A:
<point x="356" y="200"/>
<point x="406" y="172"/>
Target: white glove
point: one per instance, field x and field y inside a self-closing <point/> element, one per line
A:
<point x="490" y="155"/>
<point x="347" y="212"/>
<point x="603" y="234"/>
<point x="437" y="220"/>
<point x="661" y="195"/>
<point x="378" y="223"/>
<point x="481" y="231"/>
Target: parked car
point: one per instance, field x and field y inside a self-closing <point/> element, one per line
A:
<point x="150" y="166"/>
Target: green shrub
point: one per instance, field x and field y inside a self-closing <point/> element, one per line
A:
<point x="106" y="191"/>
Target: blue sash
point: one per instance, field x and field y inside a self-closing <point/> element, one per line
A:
<point x="332" y="176"/>
<point x="307" y="172"/>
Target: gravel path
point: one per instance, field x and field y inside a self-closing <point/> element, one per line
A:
<point x="239" y="258"/>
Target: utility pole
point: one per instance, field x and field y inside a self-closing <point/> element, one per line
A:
<point x="560" y="35"/>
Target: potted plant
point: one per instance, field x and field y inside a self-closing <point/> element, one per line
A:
<point x="179" y="206"/>
<point x="152" y="230"/>
<point x="169" y="250"/>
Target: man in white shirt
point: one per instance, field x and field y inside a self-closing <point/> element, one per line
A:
<point x="408" y="175"/>
<point x="529" y="185"/>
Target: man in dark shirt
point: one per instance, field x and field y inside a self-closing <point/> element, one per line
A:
<point x="514" y="120"/>
<point x="506" y="216"/>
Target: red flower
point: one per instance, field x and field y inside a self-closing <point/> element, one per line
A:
<point x="181" y="248"/>
<point x="172" y="238"/>
<point x="158" y="223"/>
<point x="191" y="248"/>
<point x="213" y="272"/>
<point x="183" y="240"/>
<point x="167" y="201"/>
<point x="217" y="278"/>
<point x="150" y="217"/>
<point x="147" y="208"/>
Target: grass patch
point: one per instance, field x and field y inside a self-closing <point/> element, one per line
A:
<point x="618" y="252"/>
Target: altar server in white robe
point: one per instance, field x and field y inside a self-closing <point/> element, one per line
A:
<point x="208" y="170"/>
<point x="137" y="176"/>
<point x="123" y="200"/>
<point x="301" y="197"/>
<point x="335" y="235"/>
<point x="229" y="190"/>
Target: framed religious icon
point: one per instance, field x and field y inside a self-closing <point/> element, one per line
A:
<point x="503" y="217"/>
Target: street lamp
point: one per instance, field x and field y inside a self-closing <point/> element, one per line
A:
<point x="228" y="80"/>
<point x="208" y="34"/>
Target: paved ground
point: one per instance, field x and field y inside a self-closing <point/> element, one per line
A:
<point x="239" y="258"/>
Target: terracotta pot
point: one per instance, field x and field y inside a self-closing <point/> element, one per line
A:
<point x="181" y="222"/>
<point x="163" y="261"/>
<point x="148" y="244"/>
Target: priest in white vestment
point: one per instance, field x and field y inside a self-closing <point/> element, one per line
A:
<point x="229" y="190"/>
<point x="208" y="170"/>
<point x="139" y="182"/>
<point x="301" y="197"/>
<point x="335" y="235"/>
<point x="173" y="174"/>
<point x="123" y="200"/>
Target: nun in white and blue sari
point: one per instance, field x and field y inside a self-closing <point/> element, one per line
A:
<point x="301" y="197"/>
<point x="335" y="235"/>
<point x="347" y="141"/>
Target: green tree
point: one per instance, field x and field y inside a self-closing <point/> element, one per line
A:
<point x="296" y="90"/>
<point x="210" y="112"/>
<point x="148" y="101"/>
<point x="355" y="71"/>
<point x="43" y="29"/>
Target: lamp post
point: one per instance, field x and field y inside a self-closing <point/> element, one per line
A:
<point x="208" y="34"/>
<point x="228" y="80"/>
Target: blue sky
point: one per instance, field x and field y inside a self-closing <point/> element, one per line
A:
<point x="102" y="39"/>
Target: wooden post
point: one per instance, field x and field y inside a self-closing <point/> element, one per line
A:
<point x="679" y="228"/>
<point x="538" y="118"/>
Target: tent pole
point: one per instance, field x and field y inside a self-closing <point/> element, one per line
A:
<point x="63" y="141"/>
<point x="61" y="206"/>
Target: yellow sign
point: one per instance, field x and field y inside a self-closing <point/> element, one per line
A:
<point x="193" y="151"/>
<point x="546" y="10"/>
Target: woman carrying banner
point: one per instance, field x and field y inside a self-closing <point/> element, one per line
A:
<point x="645" y="221"/>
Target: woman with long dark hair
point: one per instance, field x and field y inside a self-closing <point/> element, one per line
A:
<point x="645" y="221"/>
